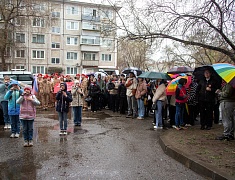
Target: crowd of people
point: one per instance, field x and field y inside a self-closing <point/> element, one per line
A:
<point x="129" y="95"/>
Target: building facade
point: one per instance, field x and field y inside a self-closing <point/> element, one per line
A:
<point x="71" y="37"/>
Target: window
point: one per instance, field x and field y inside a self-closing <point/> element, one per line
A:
<point x="38" y="22"/>
<point x="56" y="29"/>
<point x="37" y="38"/>
<point x="72" y="40"/>
<point x="20" y="21"/>
<point x="107" y="42"/>
<point x="39" y="7"/>
<point x="38" y="69"/>
<point x="89" y="25"/>
<point x="107" y="14"/>
<point x="55" y="45"/>
<point x="89" y="56"/>
<point x="90" y="12"/>
<point x="20" y="53"/>
<point x="38" y="54"/>
<point x="72" y="10"/>
<point x="71" y="70"/>
<point x="72" y="56"/>
<point x="7" y="51"/>
<point x="106" y="57"/>
<point x="90" y="40"/>
<point x="55" y="60"/>
<point x="19" y="67"/>
<point x="55" y="14"/>
<point x="71" y="25"/>
<point x="20" y="37"/>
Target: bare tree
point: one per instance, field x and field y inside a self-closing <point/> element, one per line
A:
<point x="208" y="24"/>
<point x="11" y="13"/>
<point x="133" y="54"/>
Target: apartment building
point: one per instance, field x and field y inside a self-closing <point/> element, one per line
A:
<point x="70" y="35"/>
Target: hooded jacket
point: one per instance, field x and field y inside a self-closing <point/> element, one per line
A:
<point x="12" y="96"/>
<point x="27" y="108"/>
<point x="62" y="104"/>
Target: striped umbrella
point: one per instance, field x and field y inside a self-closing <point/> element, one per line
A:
<point x="226" y="72"/>
<point x="171" y="87"/>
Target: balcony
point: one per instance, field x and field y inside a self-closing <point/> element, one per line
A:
<point x="90" y="48"/>
<point x="90" y="18"/>
<point x="90" y="63"/>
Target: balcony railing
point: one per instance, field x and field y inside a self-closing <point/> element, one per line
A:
<point x="90" y="62"/>
<point x="90" y="18"/>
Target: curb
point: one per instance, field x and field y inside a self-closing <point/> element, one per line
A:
<point x="195" y="165"/>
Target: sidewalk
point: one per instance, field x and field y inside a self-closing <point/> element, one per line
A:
<point x="200" y="154"/>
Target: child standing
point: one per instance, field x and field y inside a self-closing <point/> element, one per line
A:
<point x="27" y="114"/>
<point x="12" y="95"/>
<point x="63" y="98"/>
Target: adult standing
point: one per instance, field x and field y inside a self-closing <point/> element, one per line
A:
<point x="139" y="95"/>
<point x="4" y="103"/>
<point x="84" y="86"/>
<point x="206" y="95"/>
<point x="93" y="92"/>
<point x="101" y="83"/>
<point x="159" y="99"/>
<point x="227" y="104"/>
<point x="77" y="103"/>
<point x="131" y="85"/>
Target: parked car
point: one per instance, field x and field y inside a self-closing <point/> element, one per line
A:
<point x="19" y="75"/>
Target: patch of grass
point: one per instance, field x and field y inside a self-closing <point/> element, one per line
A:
<point x="215" y="157"/>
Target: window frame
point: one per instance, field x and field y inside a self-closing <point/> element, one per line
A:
<point x="55" y="59"/>
<point x="106" y="57"/>
<point x="37" y="38"/>
<point x="72" y="37"/>
<point x="56" y="45"/>
<point x="38" y="22"/>
<point x="38" y="51"/>
<point x="69" y="25"/>
<point x="72" y="55"/>
<point x="41" y="69"/>
<point x="20" y="41"/>
<point x="20" y="50"/>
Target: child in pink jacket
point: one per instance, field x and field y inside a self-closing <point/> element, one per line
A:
<point x="27" y="103"/>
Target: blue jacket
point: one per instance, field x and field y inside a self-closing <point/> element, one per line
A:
<point x="12" y="96"/>
<point x="62" y="101"/>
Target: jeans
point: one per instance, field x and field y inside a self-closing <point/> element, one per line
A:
<point x="5" y="112"/>
<point x="63" y="120"/>
<point x="15" y="124"/>
<point x="158" y="114"/>
<point x="228" y="114"/>
<point x="132" y="105"/>
<point x="141" y="108"/>
<point x="179" y="114"/>
<point x="77" y="115"/>
<point x="27" y="129"/>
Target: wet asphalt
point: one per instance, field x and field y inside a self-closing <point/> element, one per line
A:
<point x="107" y="146"/>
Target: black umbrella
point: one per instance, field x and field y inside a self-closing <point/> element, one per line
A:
<point x="199" y="73"/>
<point x="128" y="70"/>
<point x="180" y="69"/>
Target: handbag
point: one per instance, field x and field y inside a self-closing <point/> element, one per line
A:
<point x="88" y="99"/>
<point x="154" y="106"/>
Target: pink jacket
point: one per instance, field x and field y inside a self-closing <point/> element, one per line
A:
<point x="27" y="108"/>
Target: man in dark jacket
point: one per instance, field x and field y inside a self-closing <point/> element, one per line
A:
<point x="63" y="98"/>
<point x="206" y="96"/>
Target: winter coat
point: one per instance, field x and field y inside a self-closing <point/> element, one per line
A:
<point x="203" y="94"/>
<point x="141" y="90"/>
<point x="192" y="100"/>
<point x="93" y="90"/>
<point x="12" y="96"/>
<point x="180" y="94"/>
<point x="227" y="94"/>
<point x="77" y="96"/>
<point x="160" y="93"/>
<point x="115" y="87"/>
<point x="122" y="91"/>
<point x="131" y="84"/>
<point x="27" y="108"/>
<point x="62" y="104"/>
